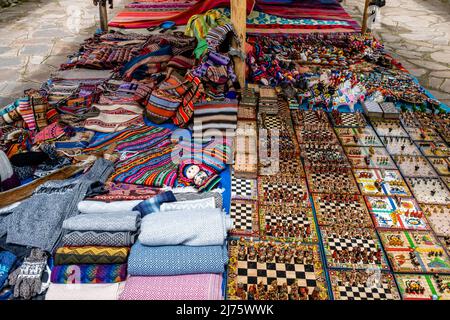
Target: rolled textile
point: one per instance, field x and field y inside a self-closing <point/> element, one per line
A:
<point x="86" y="291"/>
<point x="176" y="260"/>
<point x="207" y="203"/>
<point x="88" y="206"/>
<point x="116" y="221"/>
<point x="91" y="255"/>
<point x="124" y="191"/>
<point x="216" y="193"/>
<point x="89" y="273"/>
<point x="153" y="204"/>
<point x="207" y="227"/>
<point x="184" y="287"/>
<point x="92" y="238"/>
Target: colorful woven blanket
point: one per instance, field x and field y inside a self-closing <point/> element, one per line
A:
<point x="153" y="168"/>
<point x="89" y="273"/>
<point x="200" y="227"/>
<point x="184" y="287"/>
<point x="124" y="191"/>
<point x="91" y="254"/>
<point x="176" y="260"/>
<point x="136" y="20"/>
<point x="133" y="139"/>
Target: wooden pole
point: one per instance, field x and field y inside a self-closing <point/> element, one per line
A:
<point x="239" y="20"/>
<point x="103" y="15"/>
<point x="365" y="16"/>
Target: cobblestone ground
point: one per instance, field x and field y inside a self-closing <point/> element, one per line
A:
<point x="417" y="33"/>
<point x="36" y="37"/>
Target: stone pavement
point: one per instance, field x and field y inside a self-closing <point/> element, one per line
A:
<point x="417" y="33"/>
<point x="37" y="36"/>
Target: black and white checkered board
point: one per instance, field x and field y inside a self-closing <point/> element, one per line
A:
<point x="327" y="206"/>
<point x="298" y="219"/>
<point x="272" y="122"/>
<point x="242" y="215"/>
<point x="327" y="182"/>
<point x="295" y="189"/>
<point x="244" y="188"/>
<point x="381" y="292"/>
<point x="349" y="120"/>
<point x="253" y="272"/>
<point x="341" y="243"/>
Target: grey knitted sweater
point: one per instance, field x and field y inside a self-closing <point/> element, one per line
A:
<point x="37" y="221"/>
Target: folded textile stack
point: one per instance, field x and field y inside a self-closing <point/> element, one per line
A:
<point x="181" y="245"/>
<point x="94" y="249"/>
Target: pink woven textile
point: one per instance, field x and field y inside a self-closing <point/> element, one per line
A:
<point x="183" y="287"/>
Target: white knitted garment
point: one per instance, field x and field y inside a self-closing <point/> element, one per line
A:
<point x="6" y="170"/>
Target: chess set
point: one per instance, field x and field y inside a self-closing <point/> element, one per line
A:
<point x="363" y="285"/>
<point x="262" y="270"/>
<point x="352" y="248"/>
<point x="439" y="218"/>
<point x="396" y="213"/>
<point x="287" y="223"/>
<point x="244" y="214"/>
<point x="244" y="189"/>
<point x="362" y="137"/>
<point x="424" y="134"/>
<point x="400" y="146"/>
<point x="340" y="182"/>
<point x="429" y="190"/>
<point x="348" y="119"/>
<point x="415" y="252"/>
<point x="344" y="210"/>
<point x="369" y="157"/>
<point x="380" y="182"/>
<point x="414" y="166"/>
<point x="283" y="190"/>
<point x="313" y="127"/>
<point x="389" y="128"/>
<point x="368" y="194"/>
<point x="424" y="286"/>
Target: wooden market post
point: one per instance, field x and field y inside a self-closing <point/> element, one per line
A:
<point x="365" y="16"/>
<point x="239" y="20"/>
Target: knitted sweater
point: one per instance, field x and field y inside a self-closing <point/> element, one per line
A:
<point x="37" y="221"/>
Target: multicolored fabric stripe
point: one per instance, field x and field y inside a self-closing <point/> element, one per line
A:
<point x="215" y="154"/>
<point x="133" y="139"/>
<point x="89" y="273"/>
<point x="152" y="168"/>
<point x="91" y="254"/>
